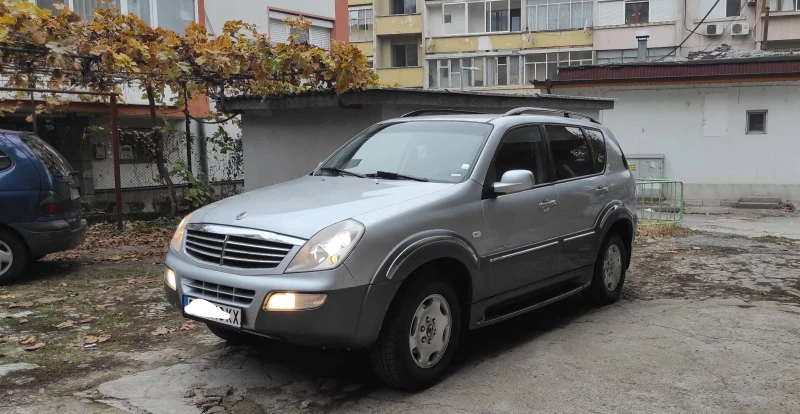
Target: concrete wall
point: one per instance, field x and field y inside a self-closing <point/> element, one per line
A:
<point x="284" y="145"/>
<point x="701" y="132"/>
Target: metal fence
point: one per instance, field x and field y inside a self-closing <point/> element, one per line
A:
<point x="659" y="201"/>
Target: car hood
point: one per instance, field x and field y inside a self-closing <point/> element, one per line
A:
<point x="302" y="207"/>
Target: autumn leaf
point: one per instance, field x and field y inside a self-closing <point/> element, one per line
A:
<point x="20" y="305"/>
<point x="160" y="331"/>
<point x="89" y="319"/>
<point x="33" y="347"/>
<point x="66" y="324"/>
<point x="92" y="339"/>
<point x="188" y="326"/>
<point x="115" y="258"/>
<point x="28" y="340"/>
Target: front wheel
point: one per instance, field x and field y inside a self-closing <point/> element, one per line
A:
<point x="13" y="257"/>
<point x="420" y="335"/>
<point x="609" y="271"/>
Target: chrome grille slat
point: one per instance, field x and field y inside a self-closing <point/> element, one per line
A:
<point x="217" y="292"/>
<point x="232" y="250"/>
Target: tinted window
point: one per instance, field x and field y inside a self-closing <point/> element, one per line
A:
<point x="5" y="161"/>
<point x="54" y="162"/>
<point x="598" y="145"/>
<point x="522" y="149"/>
<point x="436" y="150"/>
<point x="571" y="153"/>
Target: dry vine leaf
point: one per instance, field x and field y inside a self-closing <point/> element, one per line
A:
<point x="188" y="326"/>
<point x="20" y="305"/>
<point x="162" y="330"/>
<point x="92" y="339"/>
<point x="38" y="345"/>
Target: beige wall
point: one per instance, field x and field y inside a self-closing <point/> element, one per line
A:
<point x="624" y="37"/>
<point x="511" y="41"/>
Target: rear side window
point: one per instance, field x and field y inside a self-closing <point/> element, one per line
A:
<point x="54" y="161"/>
<point x="5" y="161"/>
<point x="522" y="149"/>
<point x="598" y="145"/>
<point x="571" y="154"/>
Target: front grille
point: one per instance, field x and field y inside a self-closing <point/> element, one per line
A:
<point x="235" y="251"/>
<point x="216" y="292"/>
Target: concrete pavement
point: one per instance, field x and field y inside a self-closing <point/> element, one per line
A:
<point x="747" y="223"/>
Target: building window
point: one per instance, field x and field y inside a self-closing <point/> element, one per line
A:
<point x="559" y="14"/>
<point x="404" y="6"/>
<point x="404" y="56"/>
<point x="542" y="66"/>
<point x="173" y="15"/>
<point x="757" y="122"/>
<point x="361" y="25"/>
<point x="778" y="5"/>
<point x="632" y="55"/>
<point x="300" y="35"/>
<point x="637" y="11"/>
<point x="450" y="73"/>
<point x="476" y="17"/>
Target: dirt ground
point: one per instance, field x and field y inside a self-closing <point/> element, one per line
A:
<point x="97" y="314"/>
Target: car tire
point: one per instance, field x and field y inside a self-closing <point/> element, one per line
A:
<point x="413" y="350"/>
<point x="229" y="335"/>
<point x="609" y="271"/>
<point x="13" y="257"/>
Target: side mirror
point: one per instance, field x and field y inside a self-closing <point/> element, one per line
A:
<point x="515" y="181"/>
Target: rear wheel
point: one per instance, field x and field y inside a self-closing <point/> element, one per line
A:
<point x="13" y="257"/>
<point x="420" y="335"/>
<point x="609" y="271"/>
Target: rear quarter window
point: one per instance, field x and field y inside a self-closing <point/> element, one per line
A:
<point x="54" y="161"/>
<point x="598" y="144"/>
<point x="5" y="161"/>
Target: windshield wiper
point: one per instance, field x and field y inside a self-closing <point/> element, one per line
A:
<point x="341" y="171"/>
<point x="395" y="176"/>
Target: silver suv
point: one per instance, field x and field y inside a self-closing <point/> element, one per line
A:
<point x="416" y="230"/>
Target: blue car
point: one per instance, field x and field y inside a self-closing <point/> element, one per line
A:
<point x="40" y="206"/>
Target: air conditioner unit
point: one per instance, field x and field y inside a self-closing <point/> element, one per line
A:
<point x="714" y="29"/>
<point x="740" y="29"/>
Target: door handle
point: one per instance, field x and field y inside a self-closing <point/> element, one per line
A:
<point x="547" y="204"/>
<point x="601" y="189"/>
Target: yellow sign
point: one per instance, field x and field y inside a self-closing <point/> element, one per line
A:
<point x="633" y="167"/>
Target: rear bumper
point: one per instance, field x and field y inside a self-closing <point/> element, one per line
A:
<point x="51" y="236"/>
<point x="350" y="317"/>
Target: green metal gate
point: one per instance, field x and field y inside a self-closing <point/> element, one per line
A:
<point x="659" y="201"/>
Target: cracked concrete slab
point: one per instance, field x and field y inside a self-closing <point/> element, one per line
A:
<point x="716" y="356"/>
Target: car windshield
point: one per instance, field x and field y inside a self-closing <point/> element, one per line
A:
<point x="442" y="151"/>
<point x="54" y="162"/>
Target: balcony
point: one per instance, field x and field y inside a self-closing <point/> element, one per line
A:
<point x="365" y="47"/>
<point x="398" y="24"/>
<point x="507" y="41"/>
<point x="358" y="2"/>
<point x="410" y="77"/>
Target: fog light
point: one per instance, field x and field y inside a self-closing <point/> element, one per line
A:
<point x="169" y="278"/>
<point x="294" y="301"/>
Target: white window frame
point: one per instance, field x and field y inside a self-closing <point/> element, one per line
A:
<point x="559" y="63"/>
<point x="625" y="13"/>
<point x="586" y="21"/>
<point x="486" y="8"/>
<point x="368" y="21"/>
<point x="747" y="121"/>
<point x="123" y="8"/>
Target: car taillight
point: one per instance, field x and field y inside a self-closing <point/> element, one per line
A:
<point x="50" y="203"/>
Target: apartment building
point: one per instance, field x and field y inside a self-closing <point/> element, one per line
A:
<point x="504" y="45"/>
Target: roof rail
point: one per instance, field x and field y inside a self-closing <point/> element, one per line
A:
<point x="565" y="114"/>
<point x="446" y="111"/>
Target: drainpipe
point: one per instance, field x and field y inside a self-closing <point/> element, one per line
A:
<point x="765" y="40"/>
<point x="641" y="38"/>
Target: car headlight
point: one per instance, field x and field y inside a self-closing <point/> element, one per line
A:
<point x="328" y="248"/>
<point x="177" y="238"/>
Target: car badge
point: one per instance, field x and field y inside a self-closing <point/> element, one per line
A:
<point x="241" y="215"/>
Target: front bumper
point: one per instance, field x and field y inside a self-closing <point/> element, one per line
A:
<point x="350" y="317"/>
<point x="51" y="236"/>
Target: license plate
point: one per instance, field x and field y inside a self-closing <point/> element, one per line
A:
<point x="74" y="193"/>
<point x="235" y="318"/>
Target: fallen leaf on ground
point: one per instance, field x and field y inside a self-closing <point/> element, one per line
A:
<point x="89" y="319"/>
<point x="64" y="325"/>
<point x="27" y="340"/>
<point x="115" y="258"/>
<point x="68" y="309"/>
<point x="20" y="305"/>
<point x="62" y="284"/>
<point x="38" y="345"/>
<point x="7" y="297"/>
<point x="163" y="330"/>
<point x="92" y="339"/>
<point x="188" y="326"/>
<point x="696" y="248"/>
<point x="21" y="321"/>
<point x="140" y="280"/>
<point x="103" y="306"/>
